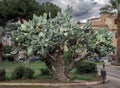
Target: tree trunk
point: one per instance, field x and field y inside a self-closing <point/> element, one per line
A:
<point x="1" y="51"/>
<point x="15" y="57"/>
<point x="118" y="38"/>
<point x="59" y="70"/>
<point x="69" y="68"/>
<point x="49" y="66"/>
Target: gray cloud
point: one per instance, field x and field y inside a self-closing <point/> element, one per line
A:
<point x="82" y="9"/>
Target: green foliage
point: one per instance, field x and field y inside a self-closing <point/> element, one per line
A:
<point x="50" y="8"/>
<point x="28" y="73"/>
<point x="7" y="55"/>
<point x="111" y="8"/>
<point x="86" y="67"/>
<point x="60" y="35"/>
<point x="7" y="49"/>
<point x="2" y="74"/>
<point x="67" y="56"/>
<point x="18" y="72"/>
<point x="15" y="9"/>
<point x="22" y="73"/>
<point x="10" y="66"/>
<point x="82" y="77"/>
<point x="44" y="72"/>
<point x="103" y="45"/>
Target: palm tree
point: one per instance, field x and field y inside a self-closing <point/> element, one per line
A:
<point x="114" y="8"/>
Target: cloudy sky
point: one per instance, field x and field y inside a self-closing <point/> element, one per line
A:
<point x="82" y="9"/>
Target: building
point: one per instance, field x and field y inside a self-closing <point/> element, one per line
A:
<point x="107" y="22"/>
<point x="104" y="21"/>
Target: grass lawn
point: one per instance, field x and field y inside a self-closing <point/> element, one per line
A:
<point x="74" y="75"/>
<point x="100" y="63"/>
<point x="10" y="66"/>
<point x="36" y="66"/>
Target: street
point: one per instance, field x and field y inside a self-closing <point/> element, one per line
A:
<point x="113" y="74"/>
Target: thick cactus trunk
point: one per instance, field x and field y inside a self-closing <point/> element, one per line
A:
<point x="49" y="66"/>
<point x="59" y="70"/>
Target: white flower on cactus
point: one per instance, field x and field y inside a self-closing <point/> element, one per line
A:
<point x="66" y="34"/>
<point x="41" y="34"/>
<point x="31" y="27"/>
<point x="62" y="29"/>
<point x="46" y="40"/>
<point x="23" y="26"/>
<point x="25" y="34"/>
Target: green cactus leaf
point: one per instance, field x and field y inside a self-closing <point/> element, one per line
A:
<point x="30" y="51"/>
<point x="65" y="48"/>
<point x="34" y="37"/>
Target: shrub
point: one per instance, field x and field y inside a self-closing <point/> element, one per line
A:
<point x="8" y="57"/>
<point x="2" y="74"/>
<point x="18" y="72"/>
<point x="7" y="49"/>
<point x="22" y="73"/>
<point x="28" y="73"/>
<point x="44" y="71"/>
<point x="86" y="67"/>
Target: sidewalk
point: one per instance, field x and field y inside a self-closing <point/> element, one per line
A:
<point x="52" y="84"/>
<point x="115" y="66"/>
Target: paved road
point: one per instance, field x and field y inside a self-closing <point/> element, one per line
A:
<point x="112" y="71"/>
<point x="113" y="74"/>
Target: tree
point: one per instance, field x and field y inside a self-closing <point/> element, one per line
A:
<point x="51" y="8"/>
<point x="1" y="48"/>
<point x="114" y="8"/>
<point x="18" y="9"/>
<point x="60" y="42"/>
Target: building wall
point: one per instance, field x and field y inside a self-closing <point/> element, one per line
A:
<point x="110" y="21"/>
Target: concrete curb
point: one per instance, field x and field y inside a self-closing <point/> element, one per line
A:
<point x="115" y="66"/>
<point x="52" y="84"/>
<point x="97" y="82"/>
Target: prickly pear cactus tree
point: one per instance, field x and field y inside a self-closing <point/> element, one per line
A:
<point x="60" y="41"/>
